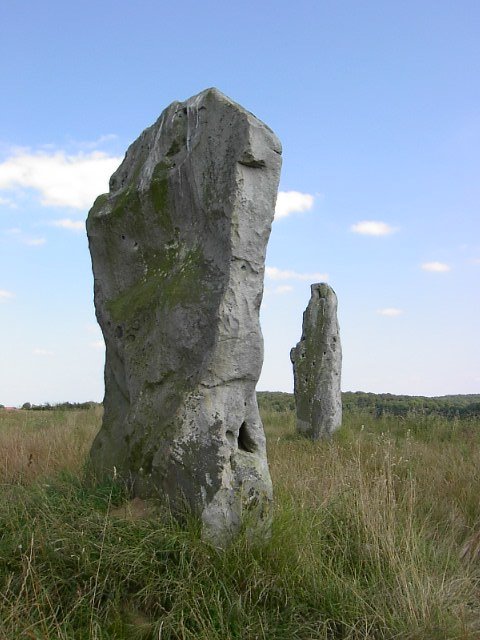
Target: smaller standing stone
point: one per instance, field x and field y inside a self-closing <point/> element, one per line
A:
<point x="317" y="365"/>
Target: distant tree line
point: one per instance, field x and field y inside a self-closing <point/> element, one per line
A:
<point x="381" y="404"/>
<point x="61" y="406"/>
<point x="275" y="401"/>
<point x="376" y="404"/>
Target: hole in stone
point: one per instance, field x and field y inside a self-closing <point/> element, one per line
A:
<point x="230" y="437"/>
<point x="245" y="440"/>
<point x="243" y="267"/>
<point x="123" y="237"/>
<point x="118" y="331"/>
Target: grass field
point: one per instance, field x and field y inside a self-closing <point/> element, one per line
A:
<point x="376" y="534"/>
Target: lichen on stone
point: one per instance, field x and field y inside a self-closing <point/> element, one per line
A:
<point x="189" y="207"/>
<point x="317" y="361"/>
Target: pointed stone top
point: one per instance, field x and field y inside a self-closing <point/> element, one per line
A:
<point x="322" y="289"/>
<point x="179" y="128"/>
<point x="214" y="94"/>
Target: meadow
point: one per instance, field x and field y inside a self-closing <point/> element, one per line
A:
<point x="376" y="535"/>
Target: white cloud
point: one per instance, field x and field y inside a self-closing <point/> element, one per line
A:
<point x="373" y="228"/>
<point x="5" y="295"/>
<point x="18" y="236"/>
<point x="390" y="312"/>
<point x="92" y="328"/>
<point x="283" y="288"/>
<point x="42" y="352"/>
<point x="292" y="202"/>
<point x="279" y="290"/>
<point x="33" y="242"/>
<point x="95" y="144"/>
<point x="94" y="331"/>
<point x="435" y="267"/>
<point x="62" y="180"/>
<point x="278" y="274"/>
<point x="475" y="261"/>
<point x="67" y="223"/>
<point x="7" y="202"/>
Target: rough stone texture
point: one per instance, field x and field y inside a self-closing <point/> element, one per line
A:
<point x="317" y="365"/>
<point x="178" y="251"/>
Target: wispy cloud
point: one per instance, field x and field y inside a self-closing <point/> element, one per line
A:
<point x="390" y="312"/>
<point x="94" y="144"/>
<point x="6" y="295"/>
<point x="17" y="235"/>
<point x="373" y="228"/>
<point x="279" y="274"/>
<point x="289" y="202"/>
<point x="96" y="338"/>
<point x="283" y="288"/>
<point x="61" y="180"/>
<point x="436" y="267"/>
<point x="33" y="242"/>
<point x="68" y="223"/>
<point x="279" y="290"/>
<point x="475" y="261"/>
<point x="7" y="202"/>
<point x="42" y="352"/>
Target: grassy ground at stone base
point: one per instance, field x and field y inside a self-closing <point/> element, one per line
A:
<point x="376" y="535"/>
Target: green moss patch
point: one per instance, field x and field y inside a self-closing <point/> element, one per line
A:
<point x="159" y="195"/>
<point x="127" y="201"/>
<point x="170" y="281"/>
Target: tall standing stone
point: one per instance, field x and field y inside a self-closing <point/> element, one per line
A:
<point x="317" y="365"/>
<point x="178" y="252"/>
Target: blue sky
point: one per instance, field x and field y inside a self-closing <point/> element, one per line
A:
<point x="377" y="105"/>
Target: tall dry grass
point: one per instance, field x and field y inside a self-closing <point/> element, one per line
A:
<point x="36" y="444"/>
<point x="399" y="502"/>
<point x="368" y="541"/>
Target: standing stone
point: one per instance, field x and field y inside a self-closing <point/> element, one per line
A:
<point x="178" y="252"/>
<point x="317" y="366"/>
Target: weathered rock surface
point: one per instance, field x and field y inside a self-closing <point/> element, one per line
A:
<point x="178" y="250"/>
<point x="317" y="365"/>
